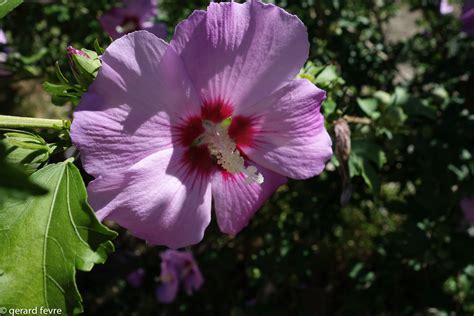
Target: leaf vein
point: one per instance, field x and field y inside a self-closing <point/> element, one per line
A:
<point x="45" y="241"/>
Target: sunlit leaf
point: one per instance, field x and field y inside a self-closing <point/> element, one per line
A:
<point x="6" y="6"/>
<point x="369" y="106"/>
<point x="43" y="240"/>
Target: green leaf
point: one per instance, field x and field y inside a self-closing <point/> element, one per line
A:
<point x="358" y="166"/>
<point x="59" y="100"/>
<point x="60" y="74"/>
<point x="364" y="154"/>
<point x="416" y="108"/>
<point x="369" y="106"/>
<point x="62" y="93"/>
<point x="329" y="106"/>
<point x="383" y="97"/>
<point x="6" y="6"/>
<point x="370" y="151"/>
<point x="32" y="59"/>
<point x="98" y="48"/>
<point x="326" y="76"/>
<point x="370" y="177"/>
<point x="56" y="89"/>
<point x="400" y="96"/>
<point x="45" y="239"/>
<point x="394" y="116"/>
<point x="14" y="181"/>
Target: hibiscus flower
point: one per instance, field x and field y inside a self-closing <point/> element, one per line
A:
<point x="217" y="114"/>
<point x="178" y="267"/>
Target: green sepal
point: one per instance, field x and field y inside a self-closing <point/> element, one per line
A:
<point x="26" y="149"/>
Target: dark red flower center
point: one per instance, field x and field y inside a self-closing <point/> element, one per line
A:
<point x="241" y="131"/>
<point x="129" y="24"/>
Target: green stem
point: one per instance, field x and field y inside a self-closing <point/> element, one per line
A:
<point x="7" y="121"/>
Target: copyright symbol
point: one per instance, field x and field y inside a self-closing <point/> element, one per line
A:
<point x="3" y="310"/>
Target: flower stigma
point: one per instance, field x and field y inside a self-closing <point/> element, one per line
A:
<point x="223" y="148"/>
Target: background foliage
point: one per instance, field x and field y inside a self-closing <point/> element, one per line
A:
<point x="399" y="247"/>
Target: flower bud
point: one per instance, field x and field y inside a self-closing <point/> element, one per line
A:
<point x="74" y="51"/>
<point x="343" y="151"/>
<point x="343" y="140"/>
<point x="84" y="65"/>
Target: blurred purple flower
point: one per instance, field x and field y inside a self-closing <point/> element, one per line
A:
<point x="467" y="17"/>
<point x="445" y="7"/>
<point x="215" y="115"/>
<point x="178" y="267"/>
<point x="3" y="54"/>
<point x="136" y="278"/>
<point x="136" y="15"/>
<point x="3" y="38"/>
<point x="467" y="206"/>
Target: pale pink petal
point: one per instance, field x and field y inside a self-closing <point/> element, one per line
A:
<point x="236" y="201"/>
<point x="141" y="89"/>
<point x="291" y="138"/>
<point x="158" y="199"/>
<point x="241" y="52"/>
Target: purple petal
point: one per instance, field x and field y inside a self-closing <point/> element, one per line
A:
<point x="292" y="139"/>
<point x="158" y="199"/>
<point x="467" y="17"/>
<point x="143" y="9"/>
<point x="186" y="266"/>
<point x="166" y="292"/>
<point x="467" y="206"/>
<point x="236" y="201"/>
<point x="125" y="116"/>
<point x="3" y="37"/>
<point x="176" y="258"/>
<point x="241" y="52"/>
<point x="112" y="19"/>
<point x="136" y="278"/>
<point x="169" y="283"/>
<point x="445" y="7"/>
<point x="193" y="280"/>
